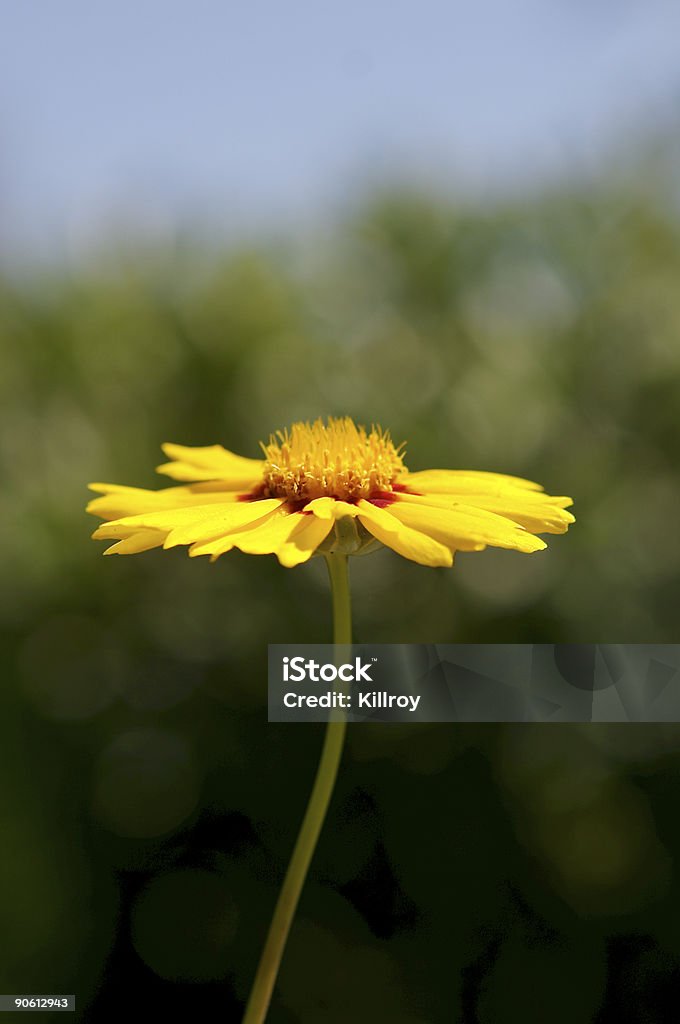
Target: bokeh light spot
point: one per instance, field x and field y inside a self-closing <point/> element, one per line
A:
<point x="145" y="783"/>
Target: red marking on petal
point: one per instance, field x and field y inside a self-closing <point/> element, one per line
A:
<point x="383" y="499"/>
<point x="405" y="490"/>
<point x="255" y="495"/>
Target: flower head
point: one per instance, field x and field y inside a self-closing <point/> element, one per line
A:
<point x="325" y="487"/>
<point x="337" y="459"/>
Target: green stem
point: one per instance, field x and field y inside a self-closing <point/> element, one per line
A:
<point x="338" y="571"/>
<point x="268" y="968"/>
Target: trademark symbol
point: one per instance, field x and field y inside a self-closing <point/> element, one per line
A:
<point x="374" y="659"/>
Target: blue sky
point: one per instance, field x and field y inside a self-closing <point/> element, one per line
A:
<point x="241" y="115"/>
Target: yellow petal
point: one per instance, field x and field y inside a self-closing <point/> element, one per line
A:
<point x="261" y="538"/>
<point x="537" y="512"/>
<point x="118" y="501"/>
<point x="464" y="481"/>
<point x="225" y="516"/>
<point x="105" y="532"/>
<point x="212" y="462"/>
<point x="217" y="523"/>
<point x="145" y="540"/>
<point x="331" y="508"/>
<point x="465" y="528"/>
<point x="304" y="541"/>
<point x="401" y="538"/>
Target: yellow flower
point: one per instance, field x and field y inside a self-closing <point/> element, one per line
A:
<point x="325" y="487"/>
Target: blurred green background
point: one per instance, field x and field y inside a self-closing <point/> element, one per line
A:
<point x="465" y="873"/>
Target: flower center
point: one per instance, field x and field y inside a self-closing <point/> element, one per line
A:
<point x="337" y="458"/>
